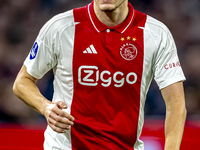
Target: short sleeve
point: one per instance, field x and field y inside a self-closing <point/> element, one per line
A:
<point x="46" y="51"/>
<point x="42" y="56"/>
<point x="167" y="68"/>
<point x="40" y="59"/>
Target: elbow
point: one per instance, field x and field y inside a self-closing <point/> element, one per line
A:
<point x="182" y="113"/>
<point x="185" y="112"/>
<point x="15" y="88"/>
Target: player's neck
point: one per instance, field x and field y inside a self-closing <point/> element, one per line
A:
<point x="112" y="18"/>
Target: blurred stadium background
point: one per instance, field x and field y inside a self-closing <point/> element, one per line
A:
<point x="20" y="21"/>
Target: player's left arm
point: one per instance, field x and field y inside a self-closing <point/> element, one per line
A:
<point x="175" y="115"/>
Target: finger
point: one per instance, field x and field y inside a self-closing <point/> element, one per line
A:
<point x="61" y="105"/>
<point x="62" y="113"/>
<point x="58" y="125"/>
<point x="60" y="119"/>
<point x="56" y="129"/>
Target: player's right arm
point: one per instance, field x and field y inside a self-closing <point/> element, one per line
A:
<point x="26" y="89"/>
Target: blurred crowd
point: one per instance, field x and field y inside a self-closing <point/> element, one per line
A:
<point x="21" y="20"/>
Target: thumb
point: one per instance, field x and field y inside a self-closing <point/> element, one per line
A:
<point x="61" y="105"/>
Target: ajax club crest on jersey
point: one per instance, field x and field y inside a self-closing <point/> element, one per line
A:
<point x="128" y="50"/>
<point x="34" y="51"/>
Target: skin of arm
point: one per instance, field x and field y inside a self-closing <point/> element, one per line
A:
<point x="25" y="88"/>
<point x="175" y="115"/>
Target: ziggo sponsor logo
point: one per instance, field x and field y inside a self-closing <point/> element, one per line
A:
<point x="91" y="76"/>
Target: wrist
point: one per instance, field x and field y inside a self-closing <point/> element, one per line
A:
<point x="46" y="103"/>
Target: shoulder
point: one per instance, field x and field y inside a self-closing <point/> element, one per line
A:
<point x="151" y="25"/>
<point x="56" y="24"/>
<point x="156" y="27"/>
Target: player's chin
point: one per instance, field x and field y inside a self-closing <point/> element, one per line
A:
<point x="107" y="7"/>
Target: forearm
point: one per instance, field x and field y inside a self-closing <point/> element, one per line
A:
<point x="174" y="126"/>
<point x="175" y="115"/>
<point x="26" y="90"/>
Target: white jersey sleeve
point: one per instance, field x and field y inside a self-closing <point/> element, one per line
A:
<point x="166" y="68"/>
<point x="41" y="57"/>
<point x="45" y="52"/>
<point x="40" y="60"/>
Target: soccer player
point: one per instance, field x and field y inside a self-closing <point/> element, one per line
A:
<point x="103" y="56"/>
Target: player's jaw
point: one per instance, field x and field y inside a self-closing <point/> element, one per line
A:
<point x="109" y="5"/>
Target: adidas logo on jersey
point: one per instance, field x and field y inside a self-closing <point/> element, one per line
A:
<point x="90" y="50"/>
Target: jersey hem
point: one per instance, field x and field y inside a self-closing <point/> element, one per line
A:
<point x="169" y="82"/>
<point x="32" y="72"/>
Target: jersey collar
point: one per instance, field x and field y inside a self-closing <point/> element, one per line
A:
<point x="99" y="26"/>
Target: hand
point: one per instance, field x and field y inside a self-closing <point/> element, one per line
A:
<point x="58" y="119"/>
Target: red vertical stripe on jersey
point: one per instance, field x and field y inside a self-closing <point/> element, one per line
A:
<point x="106" y="101"/>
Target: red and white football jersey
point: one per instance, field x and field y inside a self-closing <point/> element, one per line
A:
<point x="103" y="74"/>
